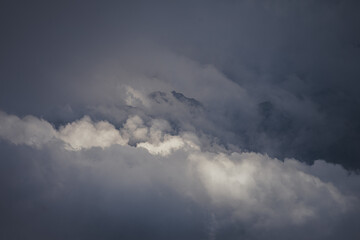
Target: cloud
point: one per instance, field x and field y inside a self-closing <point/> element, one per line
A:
<point x="170" y="144"/>
<point x="251" y="190"/>
<point x="29" y="130"/>
<point x="81" y="134"/>
<point x="84" y="134"/>
<point x="269" y="192"/>
<point x="165" y="147"/>
<point x="180" y="120"/>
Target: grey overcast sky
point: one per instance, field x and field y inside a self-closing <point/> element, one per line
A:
<point x="179" y="119"/>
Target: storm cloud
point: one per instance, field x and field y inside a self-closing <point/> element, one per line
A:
<point x="181" y="120"/>
<point x="247" y="190"/>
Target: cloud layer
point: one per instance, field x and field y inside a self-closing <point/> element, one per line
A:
<point x="248" y="190"/>
<point x="179" y="120"/>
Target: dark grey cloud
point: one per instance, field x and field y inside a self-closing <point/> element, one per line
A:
<point x="289" y="54"/>
<point x="114" y="114"/>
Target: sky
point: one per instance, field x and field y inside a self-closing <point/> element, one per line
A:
<point x="179" y="119"/>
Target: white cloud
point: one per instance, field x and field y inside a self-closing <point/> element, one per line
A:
<point x="275" y="193"/>
<point x="85" y="134"/>
<point x="81" y="134"/>
<point x="164" y="148"/>
<point x="135" y="129"/>
<point x="29" y="130"/>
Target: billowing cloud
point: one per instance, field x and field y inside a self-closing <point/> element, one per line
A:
<point x="179" y="120"/>
<point x="238" y="188"/>
<point x="268" y="191"/>
<point x="29" y="130"/>
<point x="86" y="134"/>
<point x="82" y="134"/>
